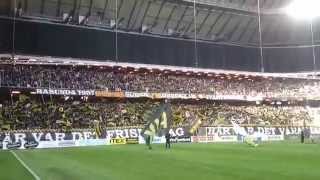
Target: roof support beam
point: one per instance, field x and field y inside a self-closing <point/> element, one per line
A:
<point x="230" y="34"/>
<point x="25" y="7"/>
<point x="158" y="14"/>
<point x="75" y="4"/>
<point x="204" y="21"/>
<point x="119" y="9"/>
<point x="221" y="7"/>
<point x="225" y="24"/>
<point x="214" y="23"/>
<point x="83" y="22"/>
<point x="137" y="16"/>
<point x="248" y="25"/>
<point x="270" y="25"/>
<point x="90" y="7"/>
<point x="181" y="18"/>
<point x="145" y="14"/>
<point x="104" y="10"/>
<point x="42" y="4"/>
<point x="245" y="29"/>
<point x="58" y="10"/>
<point x="169" y="18"/>
<point x="190" y="24"/>
<point x="78" y="11"/>
<point x="253" y="34"/>
<point x="131" y="13"/>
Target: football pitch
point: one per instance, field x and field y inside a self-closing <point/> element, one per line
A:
<point x="184" y="162"/>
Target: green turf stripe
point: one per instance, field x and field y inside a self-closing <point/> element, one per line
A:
<point x="11" y="169"/>
<point x="36" y="177"/>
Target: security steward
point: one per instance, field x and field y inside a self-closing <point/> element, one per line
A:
<point x="167" y="136"/>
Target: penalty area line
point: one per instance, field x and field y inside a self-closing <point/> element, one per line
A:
<point x="36" y="177"/>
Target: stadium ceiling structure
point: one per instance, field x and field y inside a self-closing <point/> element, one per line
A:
<point x="249" y="35"/>
<point x="232" y="21"/>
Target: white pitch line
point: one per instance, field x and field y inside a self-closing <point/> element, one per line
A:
<point x="36" y="177"/>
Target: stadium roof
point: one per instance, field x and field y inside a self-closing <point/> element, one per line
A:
<point x="164" y="32"/>
<point x="234" y="21"/>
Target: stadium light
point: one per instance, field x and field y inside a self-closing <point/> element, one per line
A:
<point x="304" y="9"/>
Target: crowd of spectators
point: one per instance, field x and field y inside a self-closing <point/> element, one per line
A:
<point x="26" y="113"/>
<point x="69" y="77"/>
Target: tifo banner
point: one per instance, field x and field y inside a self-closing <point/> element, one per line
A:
<point x="136" y="132"/>
<point x="30" y="140"/>
<point x="65" y="92"/>
<point x="228" y="134"/>
<point x="262" y="130"/>
<point x="129" y="94"/>
<point x="189" y="96"/>
<point x="49" y="140"/>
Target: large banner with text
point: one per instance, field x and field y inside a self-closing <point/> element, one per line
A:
<point x="119" y="136"/>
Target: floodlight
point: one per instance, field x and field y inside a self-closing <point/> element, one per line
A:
<point x="304" y="9"/>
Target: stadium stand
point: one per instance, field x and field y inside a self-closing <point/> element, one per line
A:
<point x="120" y="79"/>
<point x="28" y="114"/>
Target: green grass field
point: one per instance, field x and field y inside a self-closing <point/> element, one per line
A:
<point x="183" y="162"/>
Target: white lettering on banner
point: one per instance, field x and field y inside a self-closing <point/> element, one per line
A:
<point x="176" y="132"/>
<point x="226" y="131"/>
<point x="250" y="130"/>
<point x="136" y="94"/>
<point x="119" y="133"/>
<point x="293" y="131"/>
<point x="281" y="130"/>
<point x="174" y="96"/>
<point x="261" y="130"/>
<point x="125" y="133"/>
<point x="37" y="136"/>
<point x="134" y="133"/>
<point x="86" y="92"/>
<point x="206" y="134"/>
<point x="110" y="133"/>
<point x="77" y="135"/>
<point x="188" y="96"/>
<point x="221" y="131"/>
<point x="7" y="138"/>
<point x="210" y="131"/>
<point x="48" y="137"/>
<point x="179" y="132"/>
<point x="59" y="136"/>
<point x="129" y="94"/>
<point x="39" y="91"/>
<point x="20" y="137"/>
<point x="87" y="135"/>
<point x="69" y="92"/>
